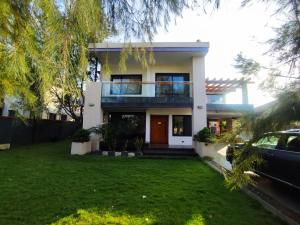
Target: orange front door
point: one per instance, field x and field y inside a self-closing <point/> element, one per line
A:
<point x="159" y="130"/>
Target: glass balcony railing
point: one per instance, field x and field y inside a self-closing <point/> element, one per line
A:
<point x="146" y="94"/>
<point x="147" y="89"/>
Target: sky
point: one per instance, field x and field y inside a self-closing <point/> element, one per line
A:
<point x="229" y="30"/>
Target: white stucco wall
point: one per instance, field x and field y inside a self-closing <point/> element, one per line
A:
<point x="92" y="115"/>
<point x="172" y="140"/>
<point x="199" y="94"/>
<point x="194" y="67"/>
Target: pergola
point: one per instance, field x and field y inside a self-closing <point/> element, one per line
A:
<point x="220" y="86"/>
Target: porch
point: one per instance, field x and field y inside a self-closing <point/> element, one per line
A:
<point x="164" y="129"/>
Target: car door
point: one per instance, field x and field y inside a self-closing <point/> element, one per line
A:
<point x="266" y="146"/>
<point x="289" y="160"/>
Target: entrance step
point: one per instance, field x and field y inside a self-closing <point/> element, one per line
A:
<point x="169" y="152"/>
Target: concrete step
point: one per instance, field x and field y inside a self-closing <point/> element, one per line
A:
<point x="170" y="152"/>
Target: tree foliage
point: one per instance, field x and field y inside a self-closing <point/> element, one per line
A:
<point x="285" y="46"/>
<point x="45" y="43"/>
<point x="246" y="66"/>
<point x="284" y="114"/>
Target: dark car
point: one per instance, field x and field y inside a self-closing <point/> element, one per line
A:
<point x="281" y="156"/>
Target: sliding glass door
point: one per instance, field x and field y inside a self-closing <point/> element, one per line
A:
<point x="126" y="85"/>
<point x="172" y="84"/>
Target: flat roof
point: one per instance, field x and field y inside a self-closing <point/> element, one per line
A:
<point x="196" y="47"/>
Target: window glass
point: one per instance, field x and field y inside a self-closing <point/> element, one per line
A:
<point x="269" y="142"/>
<point x="1" y="111"/>
<point x="215" y="99"/>
<point x="126" y="84"/>
<point x="182" y="126"/>
<point x="172" y="85"/>
<point x="293" y="143"/>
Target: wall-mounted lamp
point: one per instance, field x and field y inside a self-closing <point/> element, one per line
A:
<point x="199" y="107"/>
<point x="91" y="104"/>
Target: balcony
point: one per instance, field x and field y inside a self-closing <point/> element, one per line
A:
<point x="137" y="94"/>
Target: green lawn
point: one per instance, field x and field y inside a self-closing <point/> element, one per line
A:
<point x="43" y="184"/>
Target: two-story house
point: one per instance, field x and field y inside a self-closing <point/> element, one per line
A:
<point x="171" y="99"/>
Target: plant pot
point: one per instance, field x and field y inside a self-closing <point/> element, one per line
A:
<point x="95" y="141"/>
<point x="80" y="148"/>
<point x="4" y="146"/>
<point x="131" y="154"/>
<point x="105" y="153"/>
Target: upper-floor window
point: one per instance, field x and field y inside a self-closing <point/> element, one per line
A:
<point x="126" y="85"/>
<point x="168" y="84"/>
<point x="215" y="99"/>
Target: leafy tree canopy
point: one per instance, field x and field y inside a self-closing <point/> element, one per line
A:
<point x="45" y="43"/>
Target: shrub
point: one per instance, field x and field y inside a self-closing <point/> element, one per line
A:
<point x="204" y="135"/>
<point x="81" y="135"/>
<point x="139" y="143"/>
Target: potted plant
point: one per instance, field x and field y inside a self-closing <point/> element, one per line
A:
<point x="203" y="138"/>
<point x="139" y="143"/>
<point x="203" y="135"/>
<point x="81" y="143"/>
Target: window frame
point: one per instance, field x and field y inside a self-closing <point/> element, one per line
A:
<point x="185" y="134"/>
<point x="126" y="76"/>
<point x="186" y="89"/>
<point x="215" y="98"/>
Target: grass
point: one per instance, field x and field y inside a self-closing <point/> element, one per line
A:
<point x="43" y="184"/>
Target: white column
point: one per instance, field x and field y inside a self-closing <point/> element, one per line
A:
<point x="199" y="94"/>
<point x="147" y="133"/>
<point x="92" y="114"/>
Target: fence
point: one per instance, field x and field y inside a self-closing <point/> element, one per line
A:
<point x="18" y="132"/>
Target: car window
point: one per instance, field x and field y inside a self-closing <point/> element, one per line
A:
<point x="269" y="142"/>
<point x="293" y="143"/>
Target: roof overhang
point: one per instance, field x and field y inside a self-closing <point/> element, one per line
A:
<point x="200" y="48"/>
<point x="163" y="52"/>
<point x="228" y="110"/>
